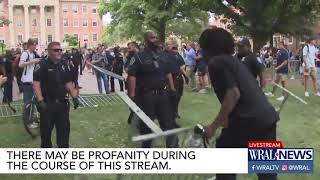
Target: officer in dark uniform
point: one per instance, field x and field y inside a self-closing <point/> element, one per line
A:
<point x="245" y="114"/>
<point x="149" y="73"/>
<point x="52" y="80"/>
<point x="7" y="70"/>
<point x="254" y="63"/>
<point x="76" y="60"/>
<point x="117" y="67"/>
<point x="177" y="66"/>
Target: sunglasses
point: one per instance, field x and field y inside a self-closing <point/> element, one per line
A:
<point x="56" y="50"/>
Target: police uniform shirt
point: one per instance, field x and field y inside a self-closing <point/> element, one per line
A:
<point x="53" y="78"/>
<point x="150" y="69"/>
<point x="175" y="61"/>
<point x="252" y="109"/>
<point x="282" y="55"/>
<point x="253" y="63"/>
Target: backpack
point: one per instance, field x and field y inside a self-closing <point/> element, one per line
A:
<point x="23" y="70"/>
<point x="301" y="53"/>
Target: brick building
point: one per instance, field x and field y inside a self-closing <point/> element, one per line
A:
<point x="51" y="20"/>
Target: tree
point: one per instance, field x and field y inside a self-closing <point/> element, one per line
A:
<point x="72" y="40"/>
<point x="131" y="18"/>
<point x="261" y="19"/>
<point x="4" y="21"/>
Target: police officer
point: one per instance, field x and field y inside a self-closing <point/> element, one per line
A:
<point x="52" y="81"/>
<point x="117" y="67"/>
<point x="254" y="63"/>
<point x="7" y="71"/>
<point x="178" y="72"/>
<point x="245" y="113"/>
<point x="148" y="73"/>
<point x="76" y="62"/>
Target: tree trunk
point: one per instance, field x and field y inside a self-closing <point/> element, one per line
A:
<point x="162" y="30"/>
<point x="258" y="43"/>
<point x="271" y="41"/>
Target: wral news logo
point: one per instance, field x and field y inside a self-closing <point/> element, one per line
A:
<point x="271" y="157"/>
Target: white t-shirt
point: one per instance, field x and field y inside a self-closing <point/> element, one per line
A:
<point x="311" y="55"/>
<point x="27" y="74"/>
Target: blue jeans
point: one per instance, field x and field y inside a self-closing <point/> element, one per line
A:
<point x="105" y="79"/>
<point x="27" y="98"/>
<point x="318" y="79"/>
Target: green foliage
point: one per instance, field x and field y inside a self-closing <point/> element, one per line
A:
<point x="131" y="18"/>
<point x="71" y="39"/>
<point x="261" y="19"/>
<point x="4" y="21"/>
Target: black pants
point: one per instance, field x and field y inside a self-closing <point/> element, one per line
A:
<point x="178" y="84"/>
<point x="120" y="82"/>
<point x="56" y="114"/>
<point x="238" y="137"/>
<point x="7" y="90"/>
<point x="156" y="104"/>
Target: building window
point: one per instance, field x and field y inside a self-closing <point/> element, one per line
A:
<point x="290" y="40"/>
<point x="75" y="9"/>
<point x="19" y="23"/>
<point x="75" y="22"/>
<point x="94" y="37"/>
<point x="85" y="37"/>
<point x="48" y="9"/>
<point x="84" y="9"/>
<point x="76" y="35"/>
<point x="94" y="9"/>
<point x="65" y="8"/>
<point x="49" y="22"/>
<point x="20" y="39"/>
<point x="94" y="23"/>
<point x="85" y="22"/>
<point x="65" y="22"/>
<point x="34" y="22"/>
<point x="49" y="38"/>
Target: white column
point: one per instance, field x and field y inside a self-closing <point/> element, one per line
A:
<point x="42" y="26"/>
<point x="26" y="23"/>
<point x="57" y="23"/>
<point x="11" y="27"/>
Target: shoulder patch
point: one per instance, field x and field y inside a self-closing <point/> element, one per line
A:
<point x="259" y="60"/>
<point x="132" y="60"/>
<point x="37" y="67"/>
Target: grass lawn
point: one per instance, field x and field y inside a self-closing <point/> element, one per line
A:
<point x="107" y="128"/>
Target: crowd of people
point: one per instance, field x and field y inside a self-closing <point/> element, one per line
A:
<point x="155" y="75"/>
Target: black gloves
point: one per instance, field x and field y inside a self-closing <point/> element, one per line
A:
<point x="42" y="106"/>
<point x="76" y="103"/>
<point x="174" y="94"/>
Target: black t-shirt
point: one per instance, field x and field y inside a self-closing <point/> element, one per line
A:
<point x="53" y="78"/>
<point x="253" y="108"/>
<point x="118" y="64"/>
<point x="175" y="62"/>
<point x="253" y="63"/>
<point x="150" y="69"/>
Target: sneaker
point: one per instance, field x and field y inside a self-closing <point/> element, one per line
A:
<point x="203" y="91"/>
<point x="33" y="125"/>
<point x="269" y="94"/>
<point x="306" y="94"/>
<point x="281" y="98"/>
<point x="318" y="94"/>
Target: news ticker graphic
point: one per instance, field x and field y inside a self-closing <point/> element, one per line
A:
<point x="156" y="161"/>
<point x="123" y="161"/>
<point x="271" y="157"/>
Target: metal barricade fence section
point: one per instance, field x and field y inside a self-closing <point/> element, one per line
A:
<point x="86" y="101"/>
